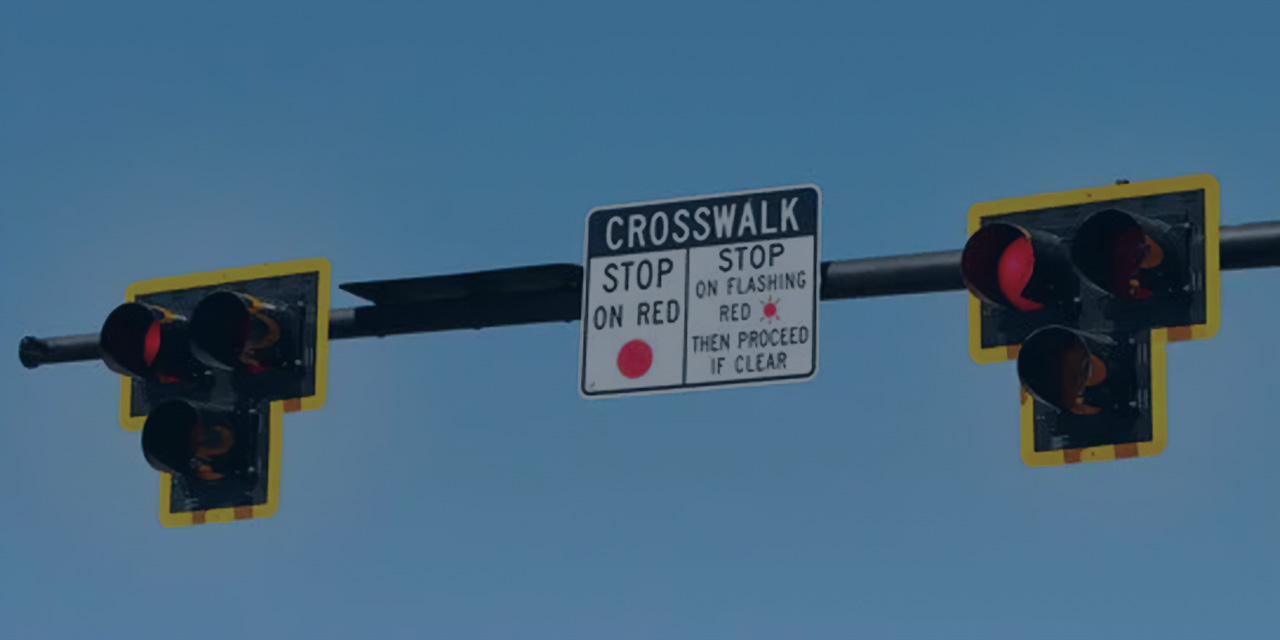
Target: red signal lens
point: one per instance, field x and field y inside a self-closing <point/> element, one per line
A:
<point x="1015" y="268"/>
<point x="1128" y="258"/>
<point x="151" y="344"/>
<point x="145" y="342"/>
<point x="220" y="327"/>
<point x="1017" y="263"/>
<point x="1113" y="250"/>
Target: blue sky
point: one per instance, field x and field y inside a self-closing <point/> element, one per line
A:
<point x="456" y="485"/>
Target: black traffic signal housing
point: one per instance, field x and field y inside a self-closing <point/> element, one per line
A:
<point x="210" y="363"/>
<point x="1084" y="289"/>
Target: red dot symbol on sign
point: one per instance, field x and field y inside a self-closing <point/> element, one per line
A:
<point x="770" y="310"/>
<point x="635" y="358"/>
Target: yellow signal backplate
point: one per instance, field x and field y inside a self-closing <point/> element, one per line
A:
<point x="1159" y="337"/>
<point x="170" y="518"/>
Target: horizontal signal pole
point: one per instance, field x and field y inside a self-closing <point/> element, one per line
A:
<point x="553" y="293"/>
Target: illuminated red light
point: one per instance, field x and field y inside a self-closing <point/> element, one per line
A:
<point x="151" y="344"/>
<point x="1017" y="263"/>
<point x="146" y="342"/>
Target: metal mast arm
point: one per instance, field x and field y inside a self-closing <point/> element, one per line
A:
<point x="553" y="293"/>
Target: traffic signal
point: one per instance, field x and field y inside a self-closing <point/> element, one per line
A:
<point x="210" y="363"/>
<point x="1084" y="289"/>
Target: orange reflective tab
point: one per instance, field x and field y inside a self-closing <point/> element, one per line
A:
<point x="1129" y="450"/>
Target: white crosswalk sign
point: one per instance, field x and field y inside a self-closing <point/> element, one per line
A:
<point x="714" y="291"/>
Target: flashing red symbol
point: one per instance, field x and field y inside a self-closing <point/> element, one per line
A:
<point x="770" y="310"/>
<point x="635" y="358"/>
